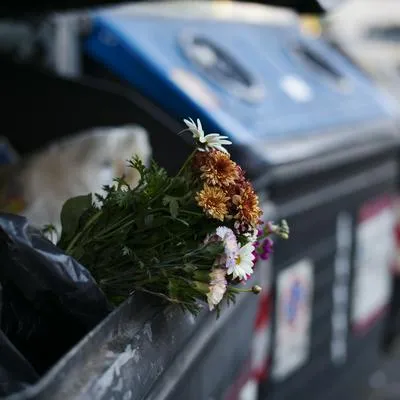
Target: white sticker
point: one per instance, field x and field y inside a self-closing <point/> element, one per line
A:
<point x="374" y="253"/>
<point x="296" y="88"/>
<point x="293" y="318"/>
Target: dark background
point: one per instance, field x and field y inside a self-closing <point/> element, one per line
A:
<point x="19" y="8"/>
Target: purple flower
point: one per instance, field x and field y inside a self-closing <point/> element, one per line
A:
<point x="266" y="250"/>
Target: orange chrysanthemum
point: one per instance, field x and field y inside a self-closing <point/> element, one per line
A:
<point x="213" y="201"/>
<point x="219" y="170"/>
<point x="246" y="204"/>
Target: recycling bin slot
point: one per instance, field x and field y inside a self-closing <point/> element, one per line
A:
<point x="317" y="64"/>
<point x="217" y="65"/>
<point x="388" y="33"/>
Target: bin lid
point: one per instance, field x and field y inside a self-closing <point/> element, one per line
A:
<point x="248" y="71"/>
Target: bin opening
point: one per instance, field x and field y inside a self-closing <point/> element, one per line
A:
<point x="219" y="66"/>
<point x="390" y="33"/>
<point x="317" y="63"/>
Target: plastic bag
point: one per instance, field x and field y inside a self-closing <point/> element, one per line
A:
<point x="49" y="300"/>
<point x="15" y="371"/>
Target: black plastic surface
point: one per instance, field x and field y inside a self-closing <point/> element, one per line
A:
<point x="49" y="301"/>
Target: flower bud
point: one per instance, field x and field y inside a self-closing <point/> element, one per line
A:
<point x="284" y="230"/>
<point x="256" y="289"/>
<point x="284" y="235"/>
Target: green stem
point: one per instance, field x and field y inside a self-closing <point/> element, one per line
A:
<point x="79" y="235"/>
<point x="109" y="232"/>
<point x="254" y="289"/>
<point x="191" y="213"/>
<point x="163" y="296"/>
<point x="171" y="239"/>
<point x="179" y="173"/>
<point x="236" y="290"/>
<point x="185" y="164"/>
<point x="115" y="226"/>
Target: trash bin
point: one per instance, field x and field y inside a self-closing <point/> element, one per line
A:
<point x="325" y="138"/>
<point x="310" y="130"/>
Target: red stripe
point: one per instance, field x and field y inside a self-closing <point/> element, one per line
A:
<point x="264" y="312"/>
<point x="374" y="207"/>
<point x="360" y="328"/>
<point x="235" y="388"/>
<point x="261" y="373"/>
<point x="256" y="375"/>
<point x="395" y="269"/>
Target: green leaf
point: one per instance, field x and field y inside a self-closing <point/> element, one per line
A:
<point x="214" y="249"/>
<point x="173" y="205"/>
<point x="189" y="268"/>
<point x="173" y="208"/>
<point x="71" y="213"/>
<point x="166" y="200"/>
<point x="78" y="252"/>
<point x="148" y="220"/>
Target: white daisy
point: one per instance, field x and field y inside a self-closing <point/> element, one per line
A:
<point x="210" y="141"/>
<point x="231" y="248"/>
<point x="217" y="287"/>
<point x="197" y="130"/>
<point x="244" y="263"/>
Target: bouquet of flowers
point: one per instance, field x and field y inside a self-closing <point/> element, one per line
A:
<point x="190" y="237"/>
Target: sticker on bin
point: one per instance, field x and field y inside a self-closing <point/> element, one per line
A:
<point x="296" y="88"/>
<point x="295" y="287"/>
<point x="375" y="250"/>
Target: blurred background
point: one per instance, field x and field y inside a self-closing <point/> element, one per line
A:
<point x="309" y="93"/>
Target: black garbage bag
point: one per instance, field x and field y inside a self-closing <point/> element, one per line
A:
<point x="49" y="300"/>
<point x="16" y="373"/>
